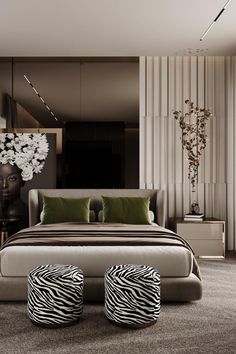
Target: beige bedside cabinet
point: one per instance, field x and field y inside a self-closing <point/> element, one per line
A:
<point x="207" y="237"/>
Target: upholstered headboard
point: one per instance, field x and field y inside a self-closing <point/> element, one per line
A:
<point x="157" y="199"/>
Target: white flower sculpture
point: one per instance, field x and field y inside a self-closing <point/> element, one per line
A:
<point x="25" y="150"/>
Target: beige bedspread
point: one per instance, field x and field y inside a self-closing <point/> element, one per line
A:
<point x="98" y="234"/>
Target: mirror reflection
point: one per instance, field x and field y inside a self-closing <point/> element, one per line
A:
<point x="95" y="104"/>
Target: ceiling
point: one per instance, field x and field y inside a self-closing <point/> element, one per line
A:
<point x="115" y="28"/>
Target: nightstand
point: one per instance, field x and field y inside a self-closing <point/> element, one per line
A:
<point x="207" y="237"/>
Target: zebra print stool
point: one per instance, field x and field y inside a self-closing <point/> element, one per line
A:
<point x="132" y="295"/>
<point x="55" y="295"/>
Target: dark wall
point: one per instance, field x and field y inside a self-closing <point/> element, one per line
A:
<point x="95" y="155"/>
<point x="132" y="158"/>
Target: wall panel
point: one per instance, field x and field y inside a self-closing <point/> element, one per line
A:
<point x="165" y="83"/>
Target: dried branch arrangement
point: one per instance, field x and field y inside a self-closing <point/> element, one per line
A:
<point x="194" y="137"/>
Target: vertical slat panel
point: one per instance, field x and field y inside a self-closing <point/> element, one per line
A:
<point x="234" y="149"/>
<point x="157" y="89"/>
<point x="171" y="137"/>
<point x="164" y="137"/>
<point x="193" y="79"/>
<point x="209" y="158"/>
<point x="220" y="133"/>
<point x="201" y="81"/>
<point x="234" y="114"/>
<point x="148" y="123"/>
<point x="149" y="87"/>
<point x="208" y="205"/>
<point x="142" y="114"/>
<point x="178" y="147"/>
<point x="201" y="103"/>
<point x="230" y="120"/>
<point x="193" y="98"/>
<point x="209" y="74"/>
<point x="171" y="200"/>
<point x="171" y="123"/>
<point x="157" y="155"/>
<point x="230" y="153"/>
<point x="165" y="82"/>
<point x="142" y="86"/>
<point x="186" y="95"/>
<point x="142" y="152"/>
<point x="220" y="115"/>
<point x="156" y="123"/>
<point x="213" y="133"/>
<point x="163" y="148"/>
<point x="222" y="141"/>
<point x="230" y="215"/>
<point x="149" y="152"/>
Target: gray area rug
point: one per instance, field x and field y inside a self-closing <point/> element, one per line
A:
<point x="206" y="326"/>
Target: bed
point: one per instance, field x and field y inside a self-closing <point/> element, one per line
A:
<point x="96" y="246"/>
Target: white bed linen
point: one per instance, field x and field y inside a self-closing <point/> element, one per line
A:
<point x="171" y="261"/>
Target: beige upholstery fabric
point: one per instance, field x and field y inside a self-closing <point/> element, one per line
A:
<point x="171" y="261"/>
<point x="172" y="289"/>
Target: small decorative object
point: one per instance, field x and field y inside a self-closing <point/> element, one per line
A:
<point x="195" y="214"/>
<point x="195" y="208"/>
<point x="55" y="295"/>
<point x="132" y="295"/>
<point x="21" y="156"/>
<point x="194" y="138"/>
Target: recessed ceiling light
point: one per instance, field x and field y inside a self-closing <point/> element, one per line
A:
<point x="192" y="51"/>
<point x="195" y="51"/>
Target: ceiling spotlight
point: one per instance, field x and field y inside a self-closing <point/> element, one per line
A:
<point x="40" y="97"/>
<point x="195" y="51"/>
<point x="214" y="21"/>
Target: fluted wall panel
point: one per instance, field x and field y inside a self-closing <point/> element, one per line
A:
<point x="165" y="83"/>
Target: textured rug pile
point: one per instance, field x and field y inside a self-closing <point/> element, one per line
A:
<point x="206" y="326"/>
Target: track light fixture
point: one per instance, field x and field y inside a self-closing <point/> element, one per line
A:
<point x="40" y="97"/>
<point x="214" y="21"/>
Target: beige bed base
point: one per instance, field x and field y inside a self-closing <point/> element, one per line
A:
<point x="172" y="289"/>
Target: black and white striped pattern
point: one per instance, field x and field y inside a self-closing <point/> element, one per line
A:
<point x="55" y="294"/>
<point x="132" y="294"/>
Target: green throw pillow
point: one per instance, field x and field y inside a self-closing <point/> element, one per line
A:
<point x="126" y="210"/>
<point x="56" y="210"/>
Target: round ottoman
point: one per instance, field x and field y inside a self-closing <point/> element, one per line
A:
<point x="55" y="295"/>
<point x="132" y="295"/>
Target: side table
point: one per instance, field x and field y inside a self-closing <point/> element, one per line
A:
<point x="206" y="237"/>
<point x="4" y="222"/>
